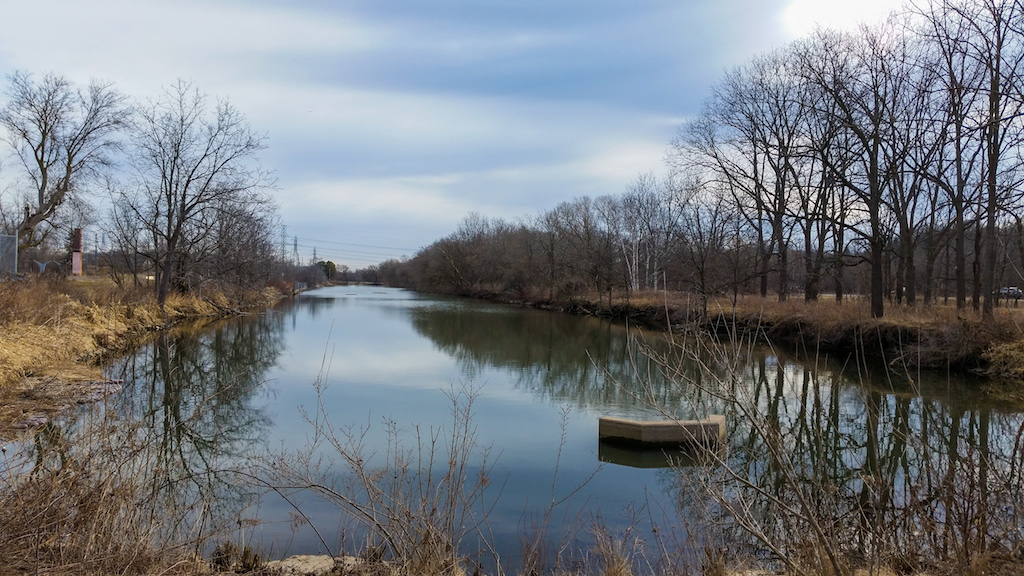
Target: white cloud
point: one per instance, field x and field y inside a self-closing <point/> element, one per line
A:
<point x="802" y="16"/>
<point x="398" y="198"/>
<point x="145" y="45"/>
<point x="624" y="161"/>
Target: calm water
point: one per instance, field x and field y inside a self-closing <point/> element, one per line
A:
<point x="238" y="391"/>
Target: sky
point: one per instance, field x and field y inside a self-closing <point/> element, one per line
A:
<point x="389" y="121"/>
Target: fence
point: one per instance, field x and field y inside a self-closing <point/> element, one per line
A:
<point x="8" y="255"/>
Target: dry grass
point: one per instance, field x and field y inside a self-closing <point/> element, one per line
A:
<point x="1006" y="360"/>
<point x="935" y="336"/>
<point x="826" y="311"/>
<point x="51" y="325"/>
<point x="87" y="505"/>
<point x="92" y="498"/>
<point x="53" y="331"/>
<point x="45" y="325"/>
<point x="74" y="515"/>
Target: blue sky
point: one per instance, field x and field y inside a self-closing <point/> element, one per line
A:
<point x="389" y="121"/>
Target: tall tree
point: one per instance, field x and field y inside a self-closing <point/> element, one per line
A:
<point x="650" y="228"/>
<point x="61" y="136"/>
<point x="954" y="168"/>
<point x="708" y="228"/>
<point x="916" y="141"/>
<point x="997" y="44"/>
<point x="863" y="78"/>
<point x="191" y="160"/>
<point x="748" y="138"/>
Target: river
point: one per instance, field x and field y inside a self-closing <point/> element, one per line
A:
<point x="383" y="365"/>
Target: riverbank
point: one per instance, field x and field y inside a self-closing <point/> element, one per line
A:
<point x="54" y="333"/>
<point x="908" y="338"/>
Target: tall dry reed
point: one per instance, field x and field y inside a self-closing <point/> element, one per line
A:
<point x="90" y="501"/>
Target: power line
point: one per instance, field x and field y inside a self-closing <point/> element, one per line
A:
<point x="358" y="245"/>
<point x="330" y="251"/>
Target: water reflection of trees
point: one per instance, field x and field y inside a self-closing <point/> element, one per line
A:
<point x="816" y="464"/>
<point x="583" y="361"/>
<point x="579" y="361"/>
<point x="149" y="466"/>
<point x="193" y="394"/>
<point x="312" y="304"/>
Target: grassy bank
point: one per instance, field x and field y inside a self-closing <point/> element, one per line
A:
<point x="908" y="337"/>
<point x="54" y="331"/>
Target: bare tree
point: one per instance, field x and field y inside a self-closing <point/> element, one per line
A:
<point x="916" y="141"/>
<point x="551" y="248"/>
<point x="709" y="233"/>
<point x="126" y="230"/>
<point x="61" y="136"/>
<point x="956" y="163"/>
<point x="191" y="160"/>
<point x="649" y="230"/>
<point x="581" y="225"/>
<point x="748" y="138"/>
<point x="863" y="79"/>
<point x="242" y="248"/>
<point x="998" y="48"/>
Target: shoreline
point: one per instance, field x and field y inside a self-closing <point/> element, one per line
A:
<point x="909" y="339"/>
<point x="64" y="370"/>
<point x="49" y="367"/>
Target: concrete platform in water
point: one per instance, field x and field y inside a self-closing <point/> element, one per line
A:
<point x="706" y="432"/>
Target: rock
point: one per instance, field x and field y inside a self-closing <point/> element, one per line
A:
<point x="323" y="565"/>
<point x="304" y="565"/>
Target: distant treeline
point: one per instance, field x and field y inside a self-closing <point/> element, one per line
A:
<point x="886" y="162"/>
